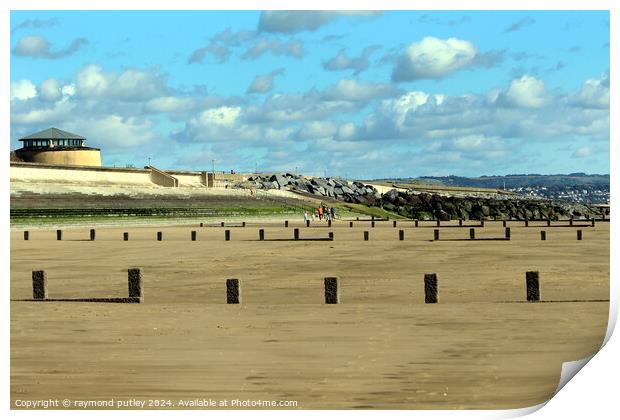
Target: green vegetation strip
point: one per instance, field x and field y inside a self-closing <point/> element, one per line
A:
<point x="20" y="215"/>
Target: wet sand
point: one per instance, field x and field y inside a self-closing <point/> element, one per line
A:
<point x="382" y="347"/>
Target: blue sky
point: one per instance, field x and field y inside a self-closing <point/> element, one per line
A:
<point x="357" y="94"/>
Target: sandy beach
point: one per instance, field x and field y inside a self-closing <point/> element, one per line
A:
<point x="481" y="346"/>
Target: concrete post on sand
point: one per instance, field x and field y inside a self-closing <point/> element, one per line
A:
<point x="436" y="235"/>
<point x="503" y="223"/>
<point x="26" y="235"/>
<point x="543" y="235"/>
<point x="160" y="236"/>
<point x="438" y="222"/>
<point x="227" y="235"/>
<point x="58" y="235"/>
<point x="366" y="235"/>
<point x="261" y="234"/>
<point x="330" y="235"/>
<point x="193" y="235"/>
<point x="401" y="235"/>
<point x="372" y="224"/>
<point x="430" y="288"/>
<point x="296" y="234"/>
<point x="233" y="291"/>
<point x="416" y="221"/>
<point x="307" y="223"/>
<point x="350" y="224"/>
<point x="548" y="222"/>
<point x="393" y="223"/>
<point x="579" y="235"/>
<point x="125" y="236"/>
<point x="507" y="233"/>
<point x="286" y="223"/>
<point x="472" y="233"/>
<point x="532" y="286"/>
<point x="332" y="291"/>
<point x="39" y="285"/>
<point x="460" y="222"/>
<point x="570" y="222"/>
<point x="134" y="283"/>
<point x="481" y="222"/>
<point x="92" y="234"/>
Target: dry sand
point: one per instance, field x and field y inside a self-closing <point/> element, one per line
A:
<point x="382" y="347"/>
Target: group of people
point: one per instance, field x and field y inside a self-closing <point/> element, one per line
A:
<point x="322" y="212"/>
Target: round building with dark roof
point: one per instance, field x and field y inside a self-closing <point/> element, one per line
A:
<point x="58" y="147"/>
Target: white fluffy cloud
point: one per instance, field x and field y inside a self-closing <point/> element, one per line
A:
<point x="527" y="92"/>
<point x="50" y="90"/>
<point x="114" y="131"/>
<point x="318" y="129"/>
<point x="283" y="108"/>
<point x="22" y="90"/>
<point x="410" y="101"/>
<point x="222" y="124"/>
<point x="222" y="116"/>
<point x="53" y="115"/>
<point x="130" y="85"/>
<point x="433" y="58"/>
<point x="594" y="93"/>
<point x="169" y="104"/>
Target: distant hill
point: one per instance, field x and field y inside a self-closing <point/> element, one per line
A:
<point x="513" y="181"/>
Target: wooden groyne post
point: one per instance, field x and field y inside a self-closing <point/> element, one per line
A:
<point x="233" y="291"/>
<point x="532" y="286"/>
<point x="332" y="291"/>
<point x="430" y="288"/>
<point x="39" y="285"/>
<point x="134" y="283"/>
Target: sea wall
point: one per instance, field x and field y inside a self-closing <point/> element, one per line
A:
<point x="89" y="175"/>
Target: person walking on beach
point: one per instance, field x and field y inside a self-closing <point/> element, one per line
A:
<point x="320" y="210"/>
<point x="332" y="212"/>
<point x="305" y="216"/>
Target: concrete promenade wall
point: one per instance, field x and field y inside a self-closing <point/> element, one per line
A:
<point x="66" y="174"/>
<point x="35" y="173"/>
<point x="79" y="174"/>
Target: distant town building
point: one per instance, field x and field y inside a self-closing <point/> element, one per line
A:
<point x="58" y="147"/>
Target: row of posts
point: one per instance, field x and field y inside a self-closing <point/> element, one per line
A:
<point x="261" y="234"/>
<point x="431" y="290"/>
<point x="233" y="287"/>
<point x="329" y="223"/>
